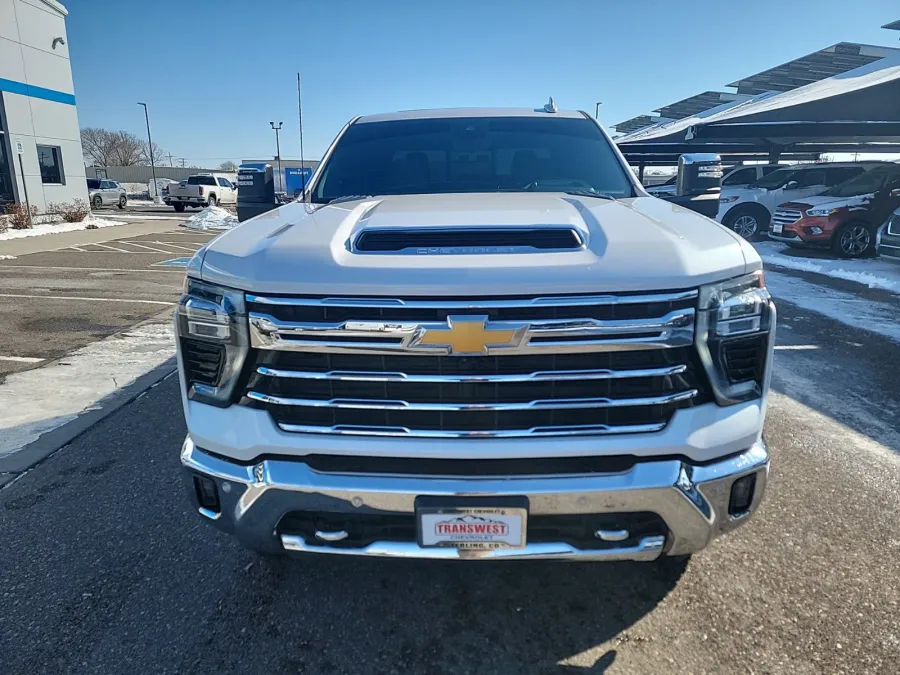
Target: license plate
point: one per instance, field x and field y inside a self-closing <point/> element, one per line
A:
<point x="777" y="228"/>
<point x="472" y="527"/>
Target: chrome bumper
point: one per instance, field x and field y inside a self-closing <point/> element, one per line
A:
<point x="692" y="501"/>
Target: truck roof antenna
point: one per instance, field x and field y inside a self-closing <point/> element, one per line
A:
<point x="551" y="106"/>
<point x="302" y="163"/>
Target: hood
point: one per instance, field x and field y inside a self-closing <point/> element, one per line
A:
<point x="641" y="243"/>
<point x="831" y="202"/>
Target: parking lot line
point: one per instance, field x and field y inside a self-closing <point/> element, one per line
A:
<point x="149" y="248"/>
<point x="21" y="359"/>
<point x="111" y="248"/>
<point x="76" y="297"/>
<point x="5" y="268"/>
<point x="174" y="245"/>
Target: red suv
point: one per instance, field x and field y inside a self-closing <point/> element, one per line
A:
<point x="845" y="218"/>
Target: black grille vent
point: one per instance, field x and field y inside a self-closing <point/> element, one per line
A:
<point x="474" y="241"/>
<point x="624" y="309"/>
<point x="745" y="358"/>
<point x="202" y="361"/>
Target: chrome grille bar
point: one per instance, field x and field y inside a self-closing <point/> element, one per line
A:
<point x="585" y="430"/>
<point x="379" y="337"/>
<point x="786" y="216"/>
<point x="554" y="375"/>
<point x="546" y="404"/>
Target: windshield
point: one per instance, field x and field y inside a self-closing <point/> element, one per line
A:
<point x="864" y="183"/>
<point x="776" y="179"/>
<point x="472" y="154"/>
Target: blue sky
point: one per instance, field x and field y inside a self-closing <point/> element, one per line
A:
<point x="215" y="76"/>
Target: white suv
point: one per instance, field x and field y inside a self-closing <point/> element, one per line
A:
<point x="738" y="176"/>
<point x="747" y="210"/>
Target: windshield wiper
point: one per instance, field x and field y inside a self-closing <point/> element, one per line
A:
<point x="346" y="198"/>
<point x="590" y="193"/>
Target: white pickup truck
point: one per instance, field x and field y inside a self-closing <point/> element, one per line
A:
<point x="204" y="189"/>
<point x="478" y="337"/>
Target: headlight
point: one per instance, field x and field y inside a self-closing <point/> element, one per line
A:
<point x="728" y="200"/>
<point x="211" y="326"/>
<point x="735" y="330"/>
<point x="820" y="213"/>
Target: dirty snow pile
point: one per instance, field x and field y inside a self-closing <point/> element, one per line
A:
<point x="35" y="401"/>
<point x="212" y="218"/>
<point x="56" y="228"/>
<point x="873" y="273"/>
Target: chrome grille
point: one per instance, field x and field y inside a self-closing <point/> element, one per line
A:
<point x="786" y="216"/>
<point x="572" y="365"/>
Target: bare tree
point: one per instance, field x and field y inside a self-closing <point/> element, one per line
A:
<point x="158" y="154"/>
<point x="228" y="166"/>
<point x="126" y="148"/>
<point x="103" y="147"/>
<point x="97" y="146"/>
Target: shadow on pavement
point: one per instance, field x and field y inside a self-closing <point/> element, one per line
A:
<point x="390" y="616"/>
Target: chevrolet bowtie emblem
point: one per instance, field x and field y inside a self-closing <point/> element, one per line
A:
<point x="468" y="335"/>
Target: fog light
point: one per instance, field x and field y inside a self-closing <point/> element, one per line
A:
<point x="741" y="495"/>
<point x="208" y="494"/>
<point x="813" y="230"/>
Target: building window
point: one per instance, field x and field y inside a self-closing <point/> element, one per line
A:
<point x="6" y="191"/>
<point x="49" y="157"/>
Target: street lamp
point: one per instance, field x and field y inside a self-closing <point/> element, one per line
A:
<point x="278" y="152"/>
<point x="597" y="110"/>
<point x="156" y="197"/>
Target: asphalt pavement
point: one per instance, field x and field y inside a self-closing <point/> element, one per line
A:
<point x="55" y="301"/>
<point x="105" y="567"/>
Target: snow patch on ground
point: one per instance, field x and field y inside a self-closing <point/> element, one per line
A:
<point x="212" y="218"/>
<point x="849" y="309"/>
<point x="7" y="257"/>
<point x="36" y="401"/>
<point x="56" y="228"/>
<point x="872" y="273"/>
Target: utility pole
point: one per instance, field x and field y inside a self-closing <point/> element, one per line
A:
<point x="181" y="159"/>
<point x="278" y="153"/>
<point x="156" y="197"/>
<point x="302" y="162"/>
<point x="170" y="159"/>
<point x="597" y="110"/>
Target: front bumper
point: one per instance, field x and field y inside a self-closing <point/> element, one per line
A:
<point x="691" y="499"/>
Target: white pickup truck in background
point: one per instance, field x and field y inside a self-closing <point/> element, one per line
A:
<point x="204" y="189"/>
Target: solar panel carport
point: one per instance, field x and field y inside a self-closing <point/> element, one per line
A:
<point x="853" y="111"/>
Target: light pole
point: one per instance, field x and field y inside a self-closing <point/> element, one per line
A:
<point x="278" y="154"/>
<point x="597" y="110"/>
<point x="156" y="197"/>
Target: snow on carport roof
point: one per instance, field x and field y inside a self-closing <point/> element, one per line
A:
<point x="858" y="95"/>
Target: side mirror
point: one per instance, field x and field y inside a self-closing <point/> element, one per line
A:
<point x="792" y="185"/>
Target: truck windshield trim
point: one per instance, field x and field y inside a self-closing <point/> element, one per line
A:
<point x="473" y="155"/>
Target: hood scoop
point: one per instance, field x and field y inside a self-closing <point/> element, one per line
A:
<point x="463" y="240"/>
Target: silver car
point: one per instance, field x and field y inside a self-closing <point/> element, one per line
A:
<point x="106" y="193"/>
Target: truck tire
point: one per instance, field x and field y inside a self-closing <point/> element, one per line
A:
<point x="855" y="239"/>
<point x="749" y="221"/>
<point x="97" y="201"/>
<point x="212" y="201"/>
<point x="179" y="208"/>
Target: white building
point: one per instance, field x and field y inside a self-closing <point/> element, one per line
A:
<point x="38" y="118"/>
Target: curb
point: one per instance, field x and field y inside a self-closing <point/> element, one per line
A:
<point x="29" y="456"/>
